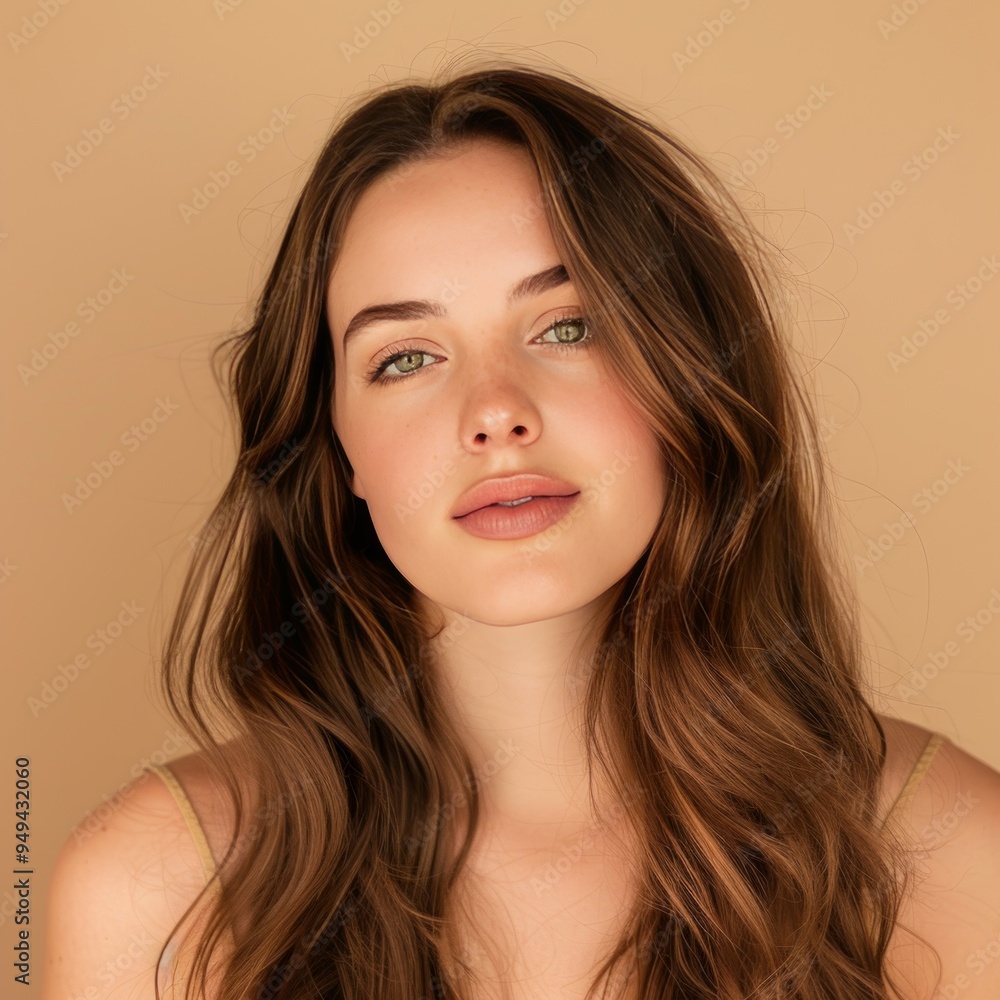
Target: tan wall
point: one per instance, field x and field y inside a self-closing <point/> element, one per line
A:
<point x="906" y="108"/>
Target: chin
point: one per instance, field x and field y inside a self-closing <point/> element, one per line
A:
<point x="516" y="604"/>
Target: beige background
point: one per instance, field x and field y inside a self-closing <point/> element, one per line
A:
<point x="206" y="77"/>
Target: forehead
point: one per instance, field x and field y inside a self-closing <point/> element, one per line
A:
<point x="471" y="218"/>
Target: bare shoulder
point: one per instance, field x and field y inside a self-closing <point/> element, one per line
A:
<point x="952" y="824"/>
<point x="213" y="809"/>
<point x="904" y="743"/>
<point x="121" y="882"/>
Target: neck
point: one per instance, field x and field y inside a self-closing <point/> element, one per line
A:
<point x="515" y="694"/>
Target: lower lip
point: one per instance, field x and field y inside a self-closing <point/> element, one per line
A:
<point x="522" y="521"/>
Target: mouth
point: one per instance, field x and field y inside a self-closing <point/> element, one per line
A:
<point x="513" y="519"/>
<point x="514" y="503"/>
<point x="510" y="492"/>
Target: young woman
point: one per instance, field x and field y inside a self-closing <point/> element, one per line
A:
<point x="517" y="645"/>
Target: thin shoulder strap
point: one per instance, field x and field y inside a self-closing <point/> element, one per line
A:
<point x="190" y="816"/>
<point x="917" y="774"/>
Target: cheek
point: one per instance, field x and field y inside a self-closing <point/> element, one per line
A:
<point x="631" y="470"/>
<point x="404" y="463"/>
<point x="620" y="433"/>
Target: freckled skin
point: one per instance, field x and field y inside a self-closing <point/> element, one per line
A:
<point x="489" y="399"/>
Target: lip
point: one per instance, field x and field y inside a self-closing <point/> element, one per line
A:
<point x="512" y="487"/>
<point x="522" y="521"/>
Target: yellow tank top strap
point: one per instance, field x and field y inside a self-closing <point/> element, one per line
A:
<point x="917" y="774"/>
<point x="190" y="816"/>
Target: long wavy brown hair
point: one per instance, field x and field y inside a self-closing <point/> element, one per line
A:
<point x="725" y="690"/>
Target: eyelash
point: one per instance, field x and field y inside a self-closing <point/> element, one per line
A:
<point x="374" y="374"/>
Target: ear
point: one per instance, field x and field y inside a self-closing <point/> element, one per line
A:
<point x="356" y="487"/>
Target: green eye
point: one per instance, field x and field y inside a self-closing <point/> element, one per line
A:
<point x="569" y="321"/>
<point x="411" y="351"/>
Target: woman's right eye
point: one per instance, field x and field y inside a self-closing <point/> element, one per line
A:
<point x="408" y="352"/>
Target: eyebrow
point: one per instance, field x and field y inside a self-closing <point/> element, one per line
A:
<point x="534" y="284"/>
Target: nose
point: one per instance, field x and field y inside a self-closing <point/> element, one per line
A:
<point x="498" y="414"/>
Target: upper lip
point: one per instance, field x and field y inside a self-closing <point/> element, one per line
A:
<point x="511" y="487"/>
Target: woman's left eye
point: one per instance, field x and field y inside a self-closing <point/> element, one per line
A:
<point x="569" y="321"/>
<point x="377" y="372"/>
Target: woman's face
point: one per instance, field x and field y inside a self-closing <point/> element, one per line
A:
<point x="482" y="387"/>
